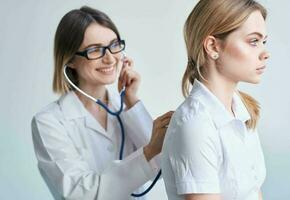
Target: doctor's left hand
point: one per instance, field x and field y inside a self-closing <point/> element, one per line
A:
<point x="131" y="80"/>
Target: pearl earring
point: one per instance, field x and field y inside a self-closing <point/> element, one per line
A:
<point x="215" y="56"/>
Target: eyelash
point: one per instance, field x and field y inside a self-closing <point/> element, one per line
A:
<point x="256" y="40"/>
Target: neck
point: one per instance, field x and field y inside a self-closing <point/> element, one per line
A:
<point x="98" y="92"/>
<point x="222" y="88"/>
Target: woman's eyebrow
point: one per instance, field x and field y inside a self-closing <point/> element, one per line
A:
<point x="259" y="34"/>
<point x="100" y="44"/>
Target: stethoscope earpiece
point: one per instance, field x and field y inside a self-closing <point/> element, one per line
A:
<point x="123" y="55"/>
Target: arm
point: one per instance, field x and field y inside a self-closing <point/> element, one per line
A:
<point x="64" y="168"/>
<point x="144" y="131"/>
<point x="137" y="121"/>
<point x="138" y="124"/>
<point x="194" y="157"/>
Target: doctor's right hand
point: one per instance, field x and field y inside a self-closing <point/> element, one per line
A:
<point x="160" y="126"/>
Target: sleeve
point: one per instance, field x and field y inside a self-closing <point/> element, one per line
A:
<point x="195" y="157"/>
<point x="138" y="124"/>
<point x="68" y="174"/>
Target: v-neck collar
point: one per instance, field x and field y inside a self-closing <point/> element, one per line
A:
<point x="73" y="109"/>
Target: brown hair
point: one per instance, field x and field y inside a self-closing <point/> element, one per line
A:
<point x="218" y="18"/>
<point x="68" y="38"/>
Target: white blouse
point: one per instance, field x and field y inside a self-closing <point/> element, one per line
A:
<point x="78" y="158"/>
<point x="207" y="150"/>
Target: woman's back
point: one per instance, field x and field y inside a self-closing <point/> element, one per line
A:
<point x="209" y="151"/>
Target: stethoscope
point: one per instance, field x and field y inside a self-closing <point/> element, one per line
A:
<point x="117" y="115"/>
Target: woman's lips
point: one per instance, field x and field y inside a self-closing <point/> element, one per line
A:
<point x="106" y="70"/>
<point x="263" y="67"/>
<point x="260" y="70"/>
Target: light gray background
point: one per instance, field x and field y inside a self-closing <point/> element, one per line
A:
<point x="153" y="32"/>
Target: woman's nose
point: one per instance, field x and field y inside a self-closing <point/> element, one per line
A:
<point x="108" y="57"/>
<point x="265" y="55"/>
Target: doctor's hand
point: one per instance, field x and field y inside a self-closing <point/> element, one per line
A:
<point x="131" y="80"/>
<point x="160" y="126"/>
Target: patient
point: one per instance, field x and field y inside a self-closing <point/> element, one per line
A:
<point x="212" y="150"/>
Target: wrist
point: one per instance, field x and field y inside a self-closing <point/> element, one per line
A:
<point x="148" y="153"/>
<point x="131" y="101"/>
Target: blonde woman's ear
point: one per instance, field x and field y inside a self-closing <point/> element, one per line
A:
<point x="211" y="47"/>
<point x="215" y="56"/>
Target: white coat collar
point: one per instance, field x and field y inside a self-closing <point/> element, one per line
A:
<point x="73" y="108"/>
<point x="217" y="110"/>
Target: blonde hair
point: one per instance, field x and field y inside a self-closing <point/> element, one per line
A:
<point x="68" y="38"/>
<point x="218" y="18"/>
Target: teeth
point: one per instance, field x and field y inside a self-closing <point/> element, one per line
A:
<point x="106" y="69"/>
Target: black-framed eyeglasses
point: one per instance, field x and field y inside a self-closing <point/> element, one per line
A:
<point x="93" y="53"/>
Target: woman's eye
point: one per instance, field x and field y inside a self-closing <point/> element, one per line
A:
<point x="114" y="45"/>
<point x="254" y="42"/>
<point x="95" y="50"/>
<point x="98" y="50"/>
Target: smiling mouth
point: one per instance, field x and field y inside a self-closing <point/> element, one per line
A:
<point x="106" y="70"/>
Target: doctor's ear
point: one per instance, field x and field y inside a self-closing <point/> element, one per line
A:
<point x="70" y="65"/>
<point x="212" y="47"/>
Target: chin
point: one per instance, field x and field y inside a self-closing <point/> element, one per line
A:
<point x="256" y="80"/>
<point x="111" y="82"/>
<point x="108" y="81"/>
<point x="252" y="80"/>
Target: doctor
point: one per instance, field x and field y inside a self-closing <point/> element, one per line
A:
<point x="76" y="141"/>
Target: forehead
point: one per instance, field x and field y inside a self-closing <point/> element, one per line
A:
<point x="97" y="34"/>
<point x="254" y="23"/>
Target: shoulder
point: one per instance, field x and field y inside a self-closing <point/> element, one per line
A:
<point x="48" y="123"/>
<point x="192" y="114"/>
<point x="52" y="111"/>
<point x="191" y="125"/>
